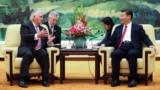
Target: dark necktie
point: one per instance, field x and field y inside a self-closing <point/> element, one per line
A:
<point x="122" y="36"/>
<point x="52" y="28"/>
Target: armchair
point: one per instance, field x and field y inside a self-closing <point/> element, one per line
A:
<point x="12" y="62"/>
<point x="145" y="65"/>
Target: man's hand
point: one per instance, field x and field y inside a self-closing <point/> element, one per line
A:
<point x="153" y="47"/>
<point x="42" y="33"/>
<point x="102" y="45"/>
<point x="94" y="45"/>
<point x="51" y="38"/>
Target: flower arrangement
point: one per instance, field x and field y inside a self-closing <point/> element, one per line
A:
<point x="80" y="28"/>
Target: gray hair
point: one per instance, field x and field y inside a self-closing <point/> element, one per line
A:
<point x="34" y="13"/>
<point x="53" y="13"/>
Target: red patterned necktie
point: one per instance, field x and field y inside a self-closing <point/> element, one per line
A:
<point x="122" y="36"/>
<point x="38" y="46"/>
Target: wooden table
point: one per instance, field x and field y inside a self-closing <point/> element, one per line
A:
<point x="90" y="52"/>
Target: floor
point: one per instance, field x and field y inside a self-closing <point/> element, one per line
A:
<point x="80" y="84"/>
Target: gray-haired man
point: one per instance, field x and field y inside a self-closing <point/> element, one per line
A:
<point x="33" y="45"/>
<point x="54" y="29"/>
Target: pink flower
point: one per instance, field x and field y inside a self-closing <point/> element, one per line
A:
<point x="79" y="29"/>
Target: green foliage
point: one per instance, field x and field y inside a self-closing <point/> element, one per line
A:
<point x="65" y="20"/>
<point x="77" y="13"/>
<point x="88" y="2"/>
<point x="153" y="1"/>
<point x="94" y="23"/>
<point x="63" y="35"/>
<point x="145" y="11"/>
<point x="97" y="28"/>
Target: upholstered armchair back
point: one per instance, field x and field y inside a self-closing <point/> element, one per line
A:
<point x="149" y="30"/>
<point x="12" y="38"/>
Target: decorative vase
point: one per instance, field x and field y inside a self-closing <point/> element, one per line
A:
<point x="79" y="42"/>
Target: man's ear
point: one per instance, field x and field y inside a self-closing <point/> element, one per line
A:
<point x="129" y="16"/>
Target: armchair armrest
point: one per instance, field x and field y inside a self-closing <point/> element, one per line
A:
<point x="151" y="50"/>
<point x="10" y="54"/>
<point x="12" y="50"/>
<point x="50" y="49"/>
<point x="109" y="50"/>
<point x="52" y="52"/>
<point x="105" y="53"/>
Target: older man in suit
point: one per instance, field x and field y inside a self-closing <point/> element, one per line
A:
<point x="127" y="40"/>
<point x="33" y="44"/>
<point x="54" y="31"/>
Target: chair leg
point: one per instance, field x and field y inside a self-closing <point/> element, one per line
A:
<point x="151" y="77"/>
<point x="11" y="80"/>
<point x="105" y="78"/>
<point x="146" y="81"/>
<point x="38" y="76"/>
<point x="7" y="77"/>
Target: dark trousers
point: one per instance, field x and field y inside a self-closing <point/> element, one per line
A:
<point x="42" y="59"/>
<point x="128" y="52"/>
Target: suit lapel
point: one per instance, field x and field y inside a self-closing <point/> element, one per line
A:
<point x="120" y="30"/>
<point x="132" y="29"/>
<point x="55" y="29"/>
<point x="32" y="27"/>
<point x="48" y="28"/>
<point x="34" y="31"/>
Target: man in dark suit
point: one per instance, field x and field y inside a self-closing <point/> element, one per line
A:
<point x="33" y="44"/>
<point x="127" y="40"/>
<point x="54" y="29"/>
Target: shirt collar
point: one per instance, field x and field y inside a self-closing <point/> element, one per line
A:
<point x="129" y="24"/>
<point x="34" y="24"/>
<point x="50" y="25"/>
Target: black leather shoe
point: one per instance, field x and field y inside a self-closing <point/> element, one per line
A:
<point x="23" y="83"/>
<point x="55" y="78"/>
<point x="102" y="77"/>
<point x="132" y="83"/>
<point x="45" y="83"/>
<point x="115" y="83"/>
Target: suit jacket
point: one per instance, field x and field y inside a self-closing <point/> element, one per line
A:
<point x="27" y="33"/>
<point x="138" y="36"/>
<point x="56" y="32"/>
<point x="106" y="38"/>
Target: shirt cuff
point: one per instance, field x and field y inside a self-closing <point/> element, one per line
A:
<point x="50" y="44"/>
<point x="35" y="37"/>
<point x="98" y="44"/>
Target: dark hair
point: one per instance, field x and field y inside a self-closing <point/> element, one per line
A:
<point x="128" y="12"/>
<point x="108" y="21"/>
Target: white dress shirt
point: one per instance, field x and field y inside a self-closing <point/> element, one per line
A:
<point x="127" y="36"/>
<point x="51" y="27"/>
<point x="35" y="36"/>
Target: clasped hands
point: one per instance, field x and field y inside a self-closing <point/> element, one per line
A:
<point x="44" y="33"/>
<point x="51" y="38"/>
